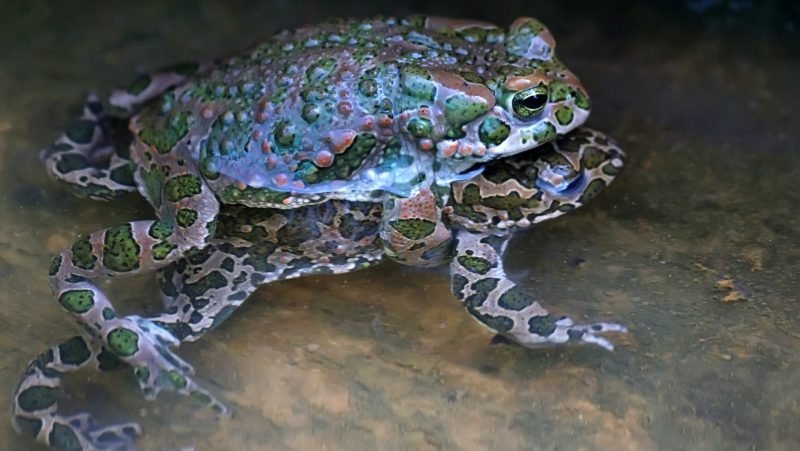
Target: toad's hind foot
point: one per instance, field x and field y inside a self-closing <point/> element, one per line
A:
<point x="35" y="408"/>
<point x="156" y="367"/>
<point x="142" y="343"/>
<point x="79" y="432"/>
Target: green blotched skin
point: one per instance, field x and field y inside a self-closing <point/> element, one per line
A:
<point x="323" y="151"/>
<point x="312" y="113"/>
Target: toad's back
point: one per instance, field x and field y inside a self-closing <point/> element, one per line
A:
<point x="347" y="109"/>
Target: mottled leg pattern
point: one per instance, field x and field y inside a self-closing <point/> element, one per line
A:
<point x="132" y="248"/>
<point x="479" y="281"/>
<point x="127" y="249"/>
<point x="202" y="289"/>
<point x="204" y="294"/>
<point x="256" y="247"/>
<point x="91" y="157"/>
<point x="35" y="400"/>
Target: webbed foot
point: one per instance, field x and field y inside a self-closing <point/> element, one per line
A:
<point x="146" y="346"/>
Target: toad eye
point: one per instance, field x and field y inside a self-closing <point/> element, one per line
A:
<point x="529" y="102"/>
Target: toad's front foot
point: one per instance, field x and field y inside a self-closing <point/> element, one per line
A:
<point x="546" y="330"/>
<point x="146" y="346"/>
<point x="479" y="281"/>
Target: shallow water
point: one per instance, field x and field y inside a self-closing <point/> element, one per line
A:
<point x="695" y="247"/>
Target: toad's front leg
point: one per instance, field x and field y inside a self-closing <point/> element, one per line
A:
<point x="479" y="281"/>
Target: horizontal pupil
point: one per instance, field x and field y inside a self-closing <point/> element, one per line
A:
<point x="534" y="101"/>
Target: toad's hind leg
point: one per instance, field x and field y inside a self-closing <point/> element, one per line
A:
<point x="479" y="281"/>
<point x="35" y="407"/>
<point x="91" y="157"/>
<point x="149" y="85"/>
<point x="204" y="289"/>
<point x="127" y="249"/>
